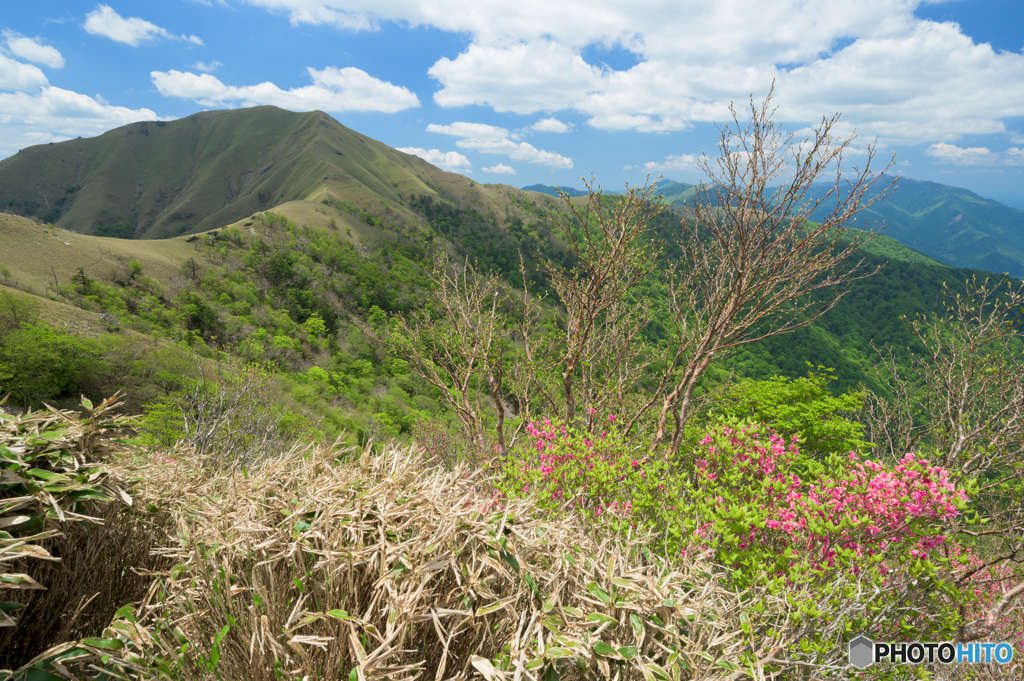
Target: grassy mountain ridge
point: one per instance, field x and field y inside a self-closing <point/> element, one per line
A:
<point x="161" y="179"/>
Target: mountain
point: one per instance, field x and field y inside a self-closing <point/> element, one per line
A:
<point x="553" y="191"/>
<point x="950" y="224"/>
<point x="160" y="179"/>
<point x="676" y="193"/>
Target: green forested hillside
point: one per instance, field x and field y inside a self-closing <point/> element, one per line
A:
<point x="277" y="291"/>
<point x="352" y="229"/>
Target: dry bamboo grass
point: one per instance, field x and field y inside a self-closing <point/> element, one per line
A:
<point x="69" y="536"/>
<point x="102" y="566"/>
<point x="380" y="569"/>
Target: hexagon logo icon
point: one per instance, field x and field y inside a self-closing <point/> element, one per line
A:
<point x="862" y="652"/>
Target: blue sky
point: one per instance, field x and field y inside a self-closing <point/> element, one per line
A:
<point x="531" y="91"/>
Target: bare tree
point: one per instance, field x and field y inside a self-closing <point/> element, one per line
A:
<point x="458" y="335"/>
<point x="968" y="392"/>
<point x="753" y="264"/>
<point x="597" y="354"/>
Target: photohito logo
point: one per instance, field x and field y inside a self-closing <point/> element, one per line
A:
<point x="864" y="652"/>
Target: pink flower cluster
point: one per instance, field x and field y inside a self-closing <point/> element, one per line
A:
<point x="865" y="508"/>
<point x="558" y="458"/>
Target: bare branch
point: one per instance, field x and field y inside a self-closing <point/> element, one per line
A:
<point x="754" y="266"/>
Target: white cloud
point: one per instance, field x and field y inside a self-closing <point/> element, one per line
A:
<point x="501" y="169"/>
<point x="463" y="129"/>
<point x="491" y="139"/>
<point x="33" y="50"/>
<point x="106" y="22"/>
<point x="521" y="78"/>
<point x="517" y="151"/>
<point x="333" y="90"/>
<point x="17" y="76"/>
<point x="54" y="114"/>
<point x="451" y="161"/>
<point x="891" y="73"/>
<point x="207" y="67"/>
<point x="1014" y="156"/>
<point x="551" y="125"/>
<point x="680" y="162"/>
<point x="972" y="156"/>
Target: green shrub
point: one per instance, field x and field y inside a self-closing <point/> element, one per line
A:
<point x="39" y="364"/>
<point x="803" y="407"/>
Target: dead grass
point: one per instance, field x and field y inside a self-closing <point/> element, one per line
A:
<point x="70" y="539"/>
<point x="35" y="253"/>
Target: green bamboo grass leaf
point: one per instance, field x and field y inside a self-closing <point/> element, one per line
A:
<point x="602" y="648"/>
<point x="638" y="627"/>
<point x="37" y="674"/>
<point x="558" y="653"/>
<point x="510" y="559"/>
<point x="105" y="643"/>
<point x="599" y="593"/>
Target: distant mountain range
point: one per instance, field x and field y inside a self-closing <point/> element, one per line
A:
<point x="951" y="225"/>
<point x="553" y="191"/>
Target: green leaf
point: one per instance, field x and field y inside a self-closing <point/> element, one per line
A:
<point x="43" y="475"/>
<point x="638" y="627"/>
<point x="510" y="559"/>
<point x="557" y="653"/>
<point x="37" y="674"/>
<point x="601" y="618"/>
<point x="628" y="652"/>
<point x="106" y="643"/>
<point x="659" y="672"/>
<point x="339" y="614"/>
<point x="602" y="648"/>
<point x="533" y="585"/>
<point x="599" y="593"/>
<point x="127" y="612"/>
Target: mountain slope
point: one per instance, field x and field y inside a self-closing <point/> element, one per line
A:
<point x="950" y="224"/>
<point x="157" y="179"/>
